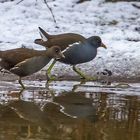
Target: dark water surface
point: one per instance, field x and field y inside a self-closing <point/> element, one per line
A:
<point x="70" y="111"/>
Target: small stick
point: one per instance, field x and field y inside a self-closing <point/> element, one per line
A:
<point x="50" y="11"/>
<point x="19" y="1"/>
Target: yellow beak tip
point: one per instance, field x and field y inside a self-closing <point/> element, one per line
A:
<point x="104" y="46"/>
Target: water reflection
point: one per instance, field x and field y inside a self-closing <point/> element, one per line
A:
<point x="72" y="114"/>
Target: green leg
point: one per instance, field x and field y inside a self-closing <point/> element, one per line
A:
<point x="20" y="82"/>
<point x="82" y="74"/>
<point x="48" y="73"/>
<point x="50" y="67"/>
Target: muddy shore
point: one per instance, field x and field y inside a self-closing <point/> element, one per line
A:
<point x="41" y="76"/>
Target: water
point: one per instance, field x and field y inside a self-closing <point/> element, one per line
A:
<point x="70" y="111"/>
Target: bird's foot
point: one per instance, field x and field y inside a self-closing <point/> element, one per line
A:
<point x="87" y="78"/>
<point x="50" y="78"/>
<point x="83" y="76"/>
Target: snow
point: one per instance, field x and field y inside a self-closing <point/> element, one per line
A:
<point x="118" y="24"/>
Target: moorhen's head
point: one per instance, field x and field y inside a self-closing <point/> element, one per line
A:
<point x="96" y="42"/>
<point x="55" y="52"/>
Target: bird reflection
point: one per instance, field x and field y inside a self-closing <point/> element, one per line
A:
<point x="78" y="106"/>
<point x="77" y="85"/>
<point x="67" y="107"/>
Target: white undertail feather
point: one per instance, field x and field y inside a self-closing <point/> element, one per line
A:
<point x="42" y="36"/>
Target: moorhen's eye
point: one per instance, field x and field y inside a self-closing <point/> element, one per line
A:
<point x="98" y="40"/>
<point x="56" y="50"/>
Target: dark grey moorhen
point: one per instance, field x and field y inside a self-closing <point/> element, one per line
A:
<point x="81" y="51"/>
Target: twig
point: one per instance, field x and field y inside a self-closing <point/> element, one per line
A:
<point x="19" y="1"/>
<point x="136" y="6"/>
<point x="80" y="1"/>
<point x="50" y="11"/>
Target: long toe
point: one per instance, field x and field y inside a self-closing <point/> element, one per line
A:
<point x="87" y="78"/>
<point x="51" y="78"/>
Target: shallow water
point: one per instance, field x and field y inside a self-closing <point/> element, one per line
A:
<point x="69" y="111"/>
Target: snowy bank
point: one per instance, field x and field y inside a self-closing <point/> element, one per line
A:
<point x="118" y="24"/>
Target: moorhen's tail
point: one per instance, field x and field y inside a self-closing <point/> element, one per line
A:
<point x="44" y="35"/>
<point x="40" y="42"/>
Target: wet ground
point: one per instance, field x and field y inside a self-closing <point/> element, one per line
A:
<point x="69" y="110"/>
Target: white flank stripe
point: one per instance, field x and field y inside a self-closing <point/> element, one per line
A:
<point x="75" y="43"/>
<point x="70" y="45"/>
